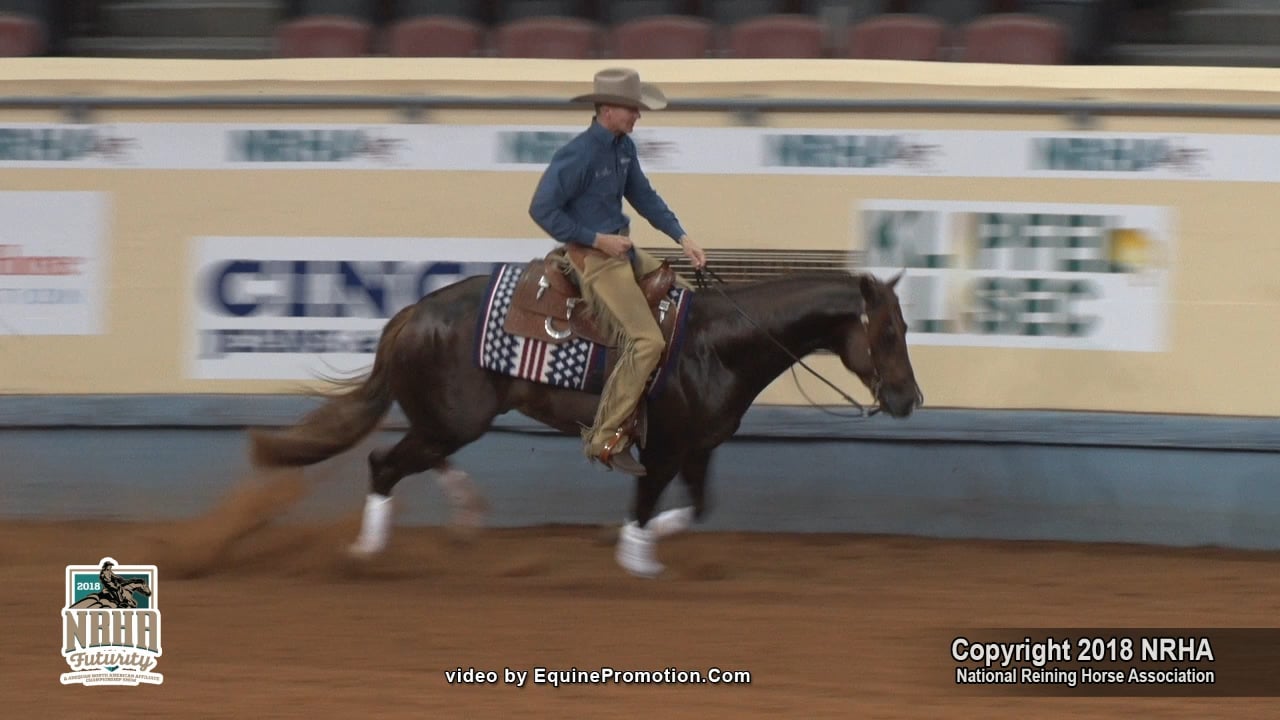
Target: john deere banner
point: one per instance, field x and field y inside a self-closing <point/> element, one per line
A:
<point x="1032" y="275"/>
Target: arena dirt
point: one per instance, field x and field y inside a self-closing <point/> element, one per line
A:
<point x="280" y="625"/>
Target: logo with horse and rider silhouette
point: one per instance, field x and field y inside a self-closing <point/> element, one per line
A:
<point x="111" y="624"/>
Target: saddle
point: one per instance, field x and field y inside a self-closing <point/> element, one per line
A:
<point x="547" y="304"/>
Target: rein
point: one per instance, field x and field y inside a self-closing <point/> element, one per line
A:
<point x="863" y="411"/>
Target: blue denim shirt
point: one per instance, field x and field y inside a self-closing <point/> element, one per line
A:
<point x="581" y="191"/>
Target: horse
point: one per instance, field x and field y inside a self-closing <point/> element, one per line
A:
<point x="736" y="342"/>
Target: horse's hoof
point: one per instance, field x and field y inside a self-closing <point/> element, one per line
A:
<point x="461" y="535"/>
<point x="356" y="551"/>
<point x="641" y="569"/>
<point x="469" y="520"/>
<point x="671" y="522"/>
<point x="635" y="552"/>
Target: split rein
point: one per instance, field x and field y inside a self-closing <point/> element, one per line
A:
<point x="863" y="411"/>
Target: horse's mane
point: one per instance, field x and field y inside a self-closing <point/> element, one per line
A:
<point x="784" y="280"/>
<point x="766" y="302"/>
<point x="770" y="290"/>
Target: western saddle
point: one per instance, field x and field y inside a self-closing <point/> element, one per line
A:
<point x="547" y="304"/>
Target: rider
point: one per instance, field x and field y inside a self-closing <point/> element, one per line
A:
<point x="579" y="200"/>
<point x="112" y="584"/>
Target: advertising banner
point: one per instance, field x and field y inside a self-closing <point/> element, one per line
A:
<point x="295" y="308"/>
<point x="687" y="150"/>
<point x="53" y="262"/>
<point x="1025" y="275"/>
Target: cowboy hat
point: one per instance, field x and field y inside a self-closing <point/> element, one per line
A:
<point x="622" y="86"/>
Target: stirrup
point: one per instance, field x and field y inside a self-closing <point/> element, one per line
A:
<point x="618" y="457"/>
<point x="611" y="446"/>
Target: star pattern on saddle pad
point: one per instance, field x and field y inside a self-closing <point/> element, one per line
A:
<point x="571" y="365"/>
<point x="502" y="350"/>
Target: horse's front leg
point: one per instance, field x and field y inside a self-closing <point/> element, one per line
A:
<point x="693" y="471"/>
<point x="469" y="507"/>
<point x="636" y="551"/>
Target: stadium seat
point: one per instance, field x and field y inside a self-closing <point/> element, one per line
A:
<point x="1085" y="21"/>
<point x="435" y="36"/>
<point x="777" y="36"/>
<point x="664" y="36"/>
<point x="898" y="37"/>
<point x="324" y="36"/>
<point x="21" y="36"/>
<point x="548" y="37"/>
<point x="1014" y="38"/>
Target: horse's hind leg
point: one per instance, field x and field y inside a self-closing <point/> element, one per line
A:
<point x="387" y="466"/>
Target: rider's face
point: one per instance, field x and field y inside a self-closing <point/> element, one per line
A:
<point x="619" y="119"/>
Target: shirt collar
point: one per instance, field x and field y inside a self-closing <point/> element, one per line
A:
<point x="603" y="135"/>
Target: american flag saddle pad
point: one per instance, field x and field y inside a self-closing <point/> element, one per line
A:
<point x="576" y="364"/>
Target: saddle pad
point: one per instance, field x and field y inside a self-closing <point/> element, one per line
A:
<point x="577" y="364"/>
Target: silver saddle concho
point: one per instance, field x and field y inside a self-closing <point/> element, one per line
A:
<point x="569" y="303"/>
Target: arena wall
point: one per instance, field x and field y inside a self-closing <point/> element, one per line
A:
<point x="1091" y="294"/>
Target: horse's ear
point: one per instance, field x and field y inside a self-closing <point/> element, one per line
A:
<point x="868" y="285"/>
<point x="894" y="280"/>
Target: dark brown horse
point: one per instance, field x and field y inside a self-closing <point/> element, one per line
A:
<point x="731" y="352"/>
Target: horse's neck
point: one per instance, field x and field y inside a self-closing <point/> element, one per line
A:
<point x="802" y="314"/>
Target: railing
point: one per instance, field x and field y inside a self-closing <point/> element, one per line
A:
<point x="413" y="107"/>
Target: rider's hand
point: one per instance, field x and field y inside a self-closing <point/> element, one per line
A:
<point x="693" y="252"/>
<point x="613" y="245"/>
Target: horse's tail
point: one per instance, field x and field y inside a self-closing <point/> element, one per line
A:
<point x="352" y="412"/>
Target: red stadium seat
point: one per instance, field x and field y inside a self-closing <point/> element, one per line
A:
<point x="1015" y="38"/>
<point x="777" y="36"/>
<point x="324" y="36"/>
<point x="898" y="37"/>
<point x="437" y="36"/>
<point x="548" y="37"/>
<point x="664" y="36"/>
<point x="21" y="36"/>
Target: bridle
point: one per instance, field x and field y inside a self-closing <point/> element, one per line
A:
<point x="863" y="411"/>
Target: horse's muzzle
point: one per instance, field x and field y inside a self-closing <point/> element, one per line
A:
<point x="901" y="403"/>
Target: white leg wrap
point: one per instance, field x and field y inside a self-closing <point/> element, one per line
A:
<point x="671" y="522"/>
<point x="468" y="505"/>
<point x="635" y="551"/>
<point x="375" y="526"/>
